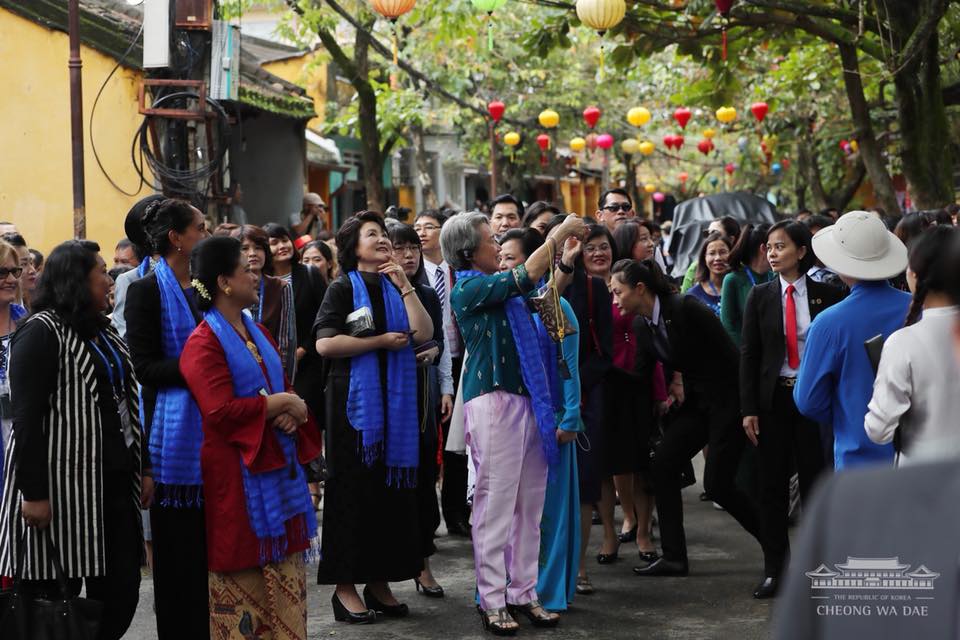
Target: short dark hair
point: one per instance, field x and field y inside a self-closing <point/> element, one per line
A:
<point x="37" y="259"/>
<point x="536" y="210"/>
<point x="620" y="192"/>
<point x="163" y="216"/>
<point x="703" y="271"/>
<point x="256" y="235"/>
<point x="436" y="214"/>
<point x="403" y="233"/>
<point x="211" y="258"/>
<point x="274" y="230"/>
<point x="911" y="226"/>
<point x="349" y="236"/>
<point x="596" y="231"/>
<point x="530" y="239"/>
<point x="327" y="252"/>
<point x="506" y="198"/>
<point x="633" y="272"/>
<point x="16" y="240"/>
<point x="730" y="227"/>
<point x="225" y="229"/>
<point x="819" y="222"/>
<point x="800" y="235"/>
<point x="556" y="222"/>
<point x="748" y="244"/>
<point x="126" y="243"/>
<point x="63" y="288"/>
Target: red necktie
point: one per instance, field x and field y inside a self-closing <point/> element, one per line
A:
<point x="793" y="351"/>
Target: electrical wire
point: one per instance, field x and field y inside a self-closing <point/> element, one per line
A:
<point x="170" y="176"/>
<point x="93" y="110"/>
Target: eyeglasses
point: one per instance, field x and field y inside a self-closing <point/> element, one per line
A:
<point x="15" y="272"/>
<point x="602" y="248"/>
<point x="426" y="227"/>
<point x="403" y="248"/>
<point x="618" y="206"/>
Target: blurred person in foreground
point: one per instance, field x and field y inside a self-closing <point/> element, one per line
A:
<point x="896" y="532"/>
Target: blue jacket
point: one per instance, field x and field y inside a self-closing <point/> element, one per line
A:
<point x="835" y="382"/>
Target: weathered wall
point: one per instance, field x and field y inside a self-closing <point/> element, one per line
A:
<point x="35" y="168"/>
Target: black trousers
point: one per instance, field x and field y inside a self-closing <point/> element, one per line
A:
<point x="786" y="437"/>
<point x="180" y="573"/>
<point x="698" y="423"/>
<point x="119" y="588"/>
<point x="453" y="493"/>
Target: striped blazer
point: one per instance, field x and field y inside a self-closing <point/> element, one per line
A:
<point x="75" y="472"/>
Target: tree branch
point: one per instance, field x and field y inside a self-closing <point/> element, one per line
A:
<point x="925" y="29"/>
<point x="431" y="84"/>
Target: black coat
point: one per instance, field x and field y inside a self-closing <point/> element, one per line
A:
<point x="763" y="346"/>
<point x="700" y="348"/>
<point x="596" y="327"/>
<point x="143" y="313"/>
<point x="308" y="291"/>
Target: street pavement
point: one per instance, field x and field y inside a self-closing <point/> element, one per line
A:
<point x="713" y="602"/>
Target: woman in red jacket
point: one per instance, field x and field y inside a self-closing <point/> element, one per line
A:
<point x="256" y="435"/>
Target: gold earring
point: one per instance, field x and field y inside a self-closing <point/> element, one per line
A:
<point x="228" y="291"/>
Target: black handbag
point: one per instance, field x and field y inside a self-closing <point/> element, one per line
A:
<point x="27" y="616"/>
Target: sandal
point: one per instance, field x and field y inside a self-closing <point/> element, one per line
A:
<point x="535" y="612"/>
<point x="584" y="586"/>
<point x="499" y="622"/>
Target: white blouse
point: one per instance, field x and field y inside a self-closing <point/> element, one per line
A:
<point x="918" y="390"/>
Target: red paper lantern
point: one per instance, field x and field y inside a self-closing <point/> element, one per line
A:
<point x="786" y="163"/>
<point x="496" y="110"/>
<point x="730" y="168"/>
<point x="684" y="176"/>
<point x="682" y="116"/>
<point x="543" y="141"/>
<point x="705" y="147"/>
<point x="592" y="141"/>
<point x="678" y="142"/>
<point x="724" y="7"/>
<point x="759" y="110"/>
<point x="591" y="115"/>
<point x="668" y="141"/>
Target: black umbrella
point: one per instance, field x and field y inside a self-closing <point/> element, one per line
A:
<point x="692" y="217"/>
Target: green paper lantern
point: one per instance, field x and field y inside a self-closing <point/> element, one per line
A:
<point x="488" y="6"/>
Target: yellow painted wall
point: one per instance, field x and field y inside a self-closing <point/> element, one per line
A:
<point x="35" y="166"/>
<point x="307" y="73"/>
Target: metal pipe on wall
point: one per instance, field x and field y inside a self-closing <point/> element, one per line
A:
<point x="75" y="65"/>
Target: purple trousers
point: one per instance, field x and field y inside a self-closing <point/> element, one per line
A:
<point x="511" y="480"/>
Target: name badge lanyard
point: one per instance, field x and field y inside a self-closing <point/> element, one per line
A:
<point x="114" y="368"/>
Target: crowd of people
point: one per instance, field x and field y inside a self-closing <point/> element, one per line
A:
<point x="514" y="374"/>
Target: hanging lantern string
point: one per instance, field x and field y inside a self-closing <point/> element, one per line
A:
<point x="601" y="59"/>
<point x="490" y="31"/>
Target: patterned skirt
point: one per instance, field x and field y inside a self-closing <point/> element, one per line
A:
<point x="268" y="603"/>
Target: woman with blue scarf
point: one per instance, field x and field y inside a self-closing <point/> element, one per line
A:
<point x="560" y="524"/>
<point x="508" y="413"/>
<point x="256" y="435"/>
<point x="161" y="314"/>
<point x="366" y="329"/>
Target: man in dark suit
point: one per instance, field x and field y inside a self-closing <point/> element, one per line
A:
<point x="776" y="318"/>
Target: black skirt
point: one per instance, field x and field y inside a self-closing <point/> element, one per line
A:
<point x="628" y="417"/>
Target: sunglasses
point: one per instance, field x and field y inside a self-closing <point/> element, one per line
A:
<point x="15" y="272"/>
<point x="619" y="206"/>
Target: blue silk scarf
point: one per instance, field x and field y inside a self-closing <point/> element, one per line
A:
<point x="533" y="368"/>
<point x="176" y="431"/>
<point x="272" y="497"/>
<point x="395" y="438"/>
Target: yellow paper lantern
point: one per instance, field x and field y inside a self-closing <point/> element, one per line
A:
<point x="578" y="144"/>
<point x="854" y="146"/>
<point x="646" y="147"/>
<point x="650" y="187"/>
<point x="638" y="116"/>
<point x="392" y="9"/>
<point x="601" y="15"/>
<point x="512" y="139"/>
<point x="726" y="115"/>
<point x="549" y="119"/>
<point x="630" y="146"/>
<point x="709" y="133"/>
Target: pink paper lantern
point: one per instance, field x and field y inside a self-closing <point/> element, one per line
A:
<point x="605" y="141"/>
